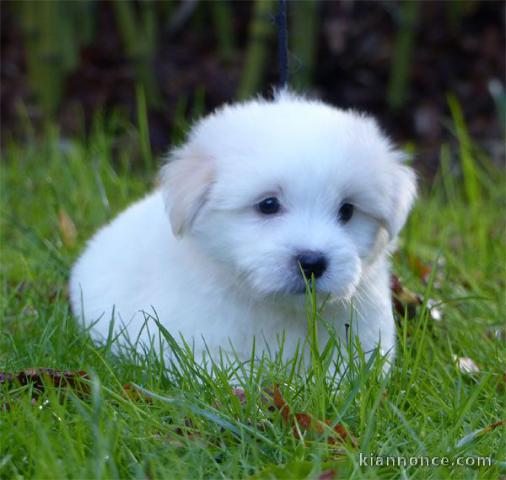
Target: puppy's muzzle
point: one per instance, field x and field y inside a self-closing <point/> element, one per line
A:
<point x="312" y="263"/>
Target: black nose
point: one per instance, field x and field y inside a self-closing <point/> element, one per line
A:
<point x="312" y="263"/>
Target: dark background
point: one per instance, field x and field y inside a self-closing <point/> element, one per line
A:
<point x="63" y="62"/>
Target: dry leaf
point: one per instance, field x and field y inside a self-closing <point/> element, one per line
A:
<point x="135" y="394"/>
<point x="67" y="229"/>
<point x="305" y="423"/>
<point x="421" y="269"/>
<point x="280" y="404"/>
<point x="478" y="433"/>
<point x="343" y="433"/>
<point x="466" y="365"/>
<point x="496" y="333"/>
<point x="327" y="474"/>
<point x="404" y="300"/>
<point x="39" y="378"/>
<point x="240" y="394"/>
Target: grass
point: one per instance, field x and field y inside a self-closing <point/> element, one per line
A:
<point x="55" y="193"/>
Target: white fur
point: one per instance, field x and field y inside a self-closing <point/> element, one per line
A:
<point x="215" y="270"/>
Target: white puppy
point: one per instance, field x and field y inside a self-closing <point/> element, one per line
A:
<point x="260" y="191"/>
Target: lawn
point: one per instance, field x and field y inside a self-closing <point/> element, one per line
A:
<point x="184" y="423"/>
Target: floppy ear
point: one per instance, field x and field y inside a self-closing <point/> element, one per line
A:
<point x="185" y="180"/>
<point x="402" y="196"/>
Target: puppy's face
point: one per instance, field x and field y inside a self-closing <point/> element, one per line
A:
<point x="274" y="190"/>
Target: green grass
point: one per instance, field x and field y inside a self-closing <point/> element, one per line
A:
<point x="195" y="427"/>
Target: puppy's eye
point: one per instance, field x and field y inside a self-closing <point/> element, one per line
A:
<point x="345" y="212"/>
<point x="269" y="206"/>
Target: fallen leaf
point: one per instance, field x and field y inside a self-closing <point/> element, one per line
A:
<point x="343" y="433"/>
<point x="421" y="269"/>
<point x="404" y="300"/>
<point x="240" y="394"/>
<point x="466" y="365"/>
<point x="135" y="394"/>
<point x="327" y="474"/>
<point x="496" y="333"/>
<point x="478" y="433"/>
<point x="267" y="398"/>
<point x="68" y="229"/>
<point x="305" y="423"/>
<point x="280" y="404"/>
<point x="39" y="378"/>
<point x="403" y="294"/>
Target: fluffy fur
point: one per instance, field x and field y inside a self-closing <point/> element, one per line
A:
<point x="215" y="269"/>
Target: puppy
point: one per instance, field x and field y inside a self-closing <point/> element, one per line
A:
<point x="264" y="196"/>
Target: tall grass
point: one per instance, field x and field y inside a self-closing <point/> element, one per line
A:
<point x="258" y="49"/>
<point x="185" y="422"/>
<point x="403" y="54"/>
<point x="54" y="35"/>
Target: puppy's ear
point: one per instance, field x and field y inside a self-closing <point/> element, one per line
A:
<point x="402" y="196"/>
<point x="186" y="180"/>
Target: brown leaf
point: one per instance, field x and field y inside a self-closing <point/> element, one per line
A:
<point x="280" y="404"/>
<point x="478" y="433"/>
<point x="305" y="423"/>
<point x="304" y="420"/>
<point x="135" y="395"/>
<point x="395" y="284"/>
<point x="500" y="423"/>
<point x="343" y="433"/>
<point x="267" y="397"/>
<point x="496" y="333"/>
<point x="240" y="394"/>
<point x="327" y="474"/>
<point x="405" y="295"/>
<point x="421" y="269"/>
<point x="39" y="378"/>
<point x="404" y="300"/>
<point x="67" y="229"/>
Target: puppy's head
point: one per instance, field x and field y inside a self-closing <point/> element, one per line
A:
<point x="269" y="190"/>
